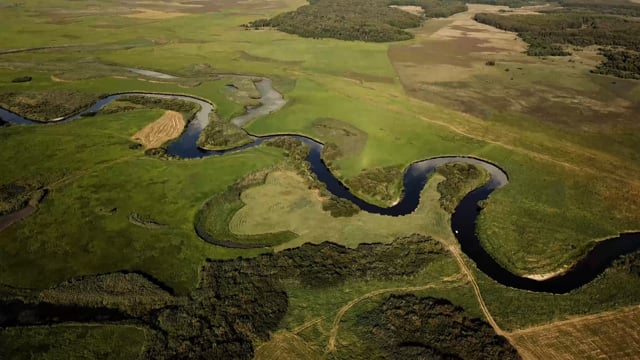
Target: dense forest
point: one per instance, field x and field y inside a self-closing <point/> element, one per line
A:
<point x="365" y="20"/>
<point x="406" y="326"/>
<point x="435" y="8"/>
<point x="616" y="7"/>
<point x="236" y="303"/>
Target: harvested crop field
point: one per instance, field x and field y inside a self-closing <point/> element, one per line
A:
<point x="611" y="335"/>
<point x="286" y="346"/>
<point x="168" y="126"/>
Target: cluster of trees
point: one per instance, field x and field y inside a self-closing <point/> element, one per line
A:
<point x="188" y="109"/>
<point x="408" y="326"/>
<point x="620" y="63"/>
<point x="47" y="105"/>
<point x="460" y="178"/>
<point x="339" y="207"/>
<point x="236" y="303"/>
<point x="580" y="29"/>
<point x="629" y="263"/>
<point x="222" y="135"/>
<point x="383" y="184"/>
<point x="364" y="20"/>
<point x="584" y="26"/>
<point x="615" y="7"/>
<point x="345" y="20"/>
<point x="21" y="79"/>
<point x="16" y="195"/>
<point x="509" y="3"/>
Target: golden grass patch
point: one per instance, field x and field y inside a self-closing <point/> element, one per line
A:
<point x="286" y="346"/>
<point x="610" y="335"/>
<point x="142" y="13"/>
<point x="168" y="126"/>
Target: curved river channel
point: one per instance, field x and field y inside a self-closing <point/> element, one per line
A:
<point x="463" y="220"/>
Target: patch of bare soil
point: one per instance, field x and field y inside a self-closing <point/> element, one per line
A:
<point x="169" y="126"/>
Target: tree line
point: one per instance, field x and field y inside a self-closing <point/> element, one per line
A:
<point x="550" y="33"/>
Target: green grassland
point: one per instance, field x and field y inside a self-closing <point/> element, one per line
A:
<point x="518" y="309"/>
<point x="573" y="169"/>
<point x="284" y="203"/>
<point x="86" y="161"/>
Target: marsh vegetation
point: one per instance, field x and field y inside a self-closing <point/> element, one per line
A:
<point x="47" y="105"/>
<point x="221" y="135"/>
<point x="555" y="126"/>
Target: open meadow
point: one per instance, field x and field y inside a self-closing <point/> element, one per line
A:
<point x="106" y="199"/>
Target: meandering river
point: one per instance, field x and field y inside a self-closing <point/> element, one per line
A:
<point x="463" y="220"/>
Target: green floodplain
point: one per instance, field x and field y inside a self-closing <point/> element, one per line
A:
<point x="567" y="136"/>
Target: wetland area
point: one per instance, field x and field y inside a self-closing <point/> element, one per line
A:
<point x="427" y="179"/>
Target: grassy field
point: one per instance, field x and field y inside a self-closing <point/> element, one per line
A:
<point x="567" y="138"/>
<point x="88" y="159"/>
<point x="284" y="202"/>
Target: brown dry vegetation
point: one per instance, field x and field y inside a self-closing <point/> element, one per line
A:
<point x="168" y="126"/>
<point x="142" y="13"/>
<point x="611" y="335"/>
<point x="446" y="65"/>
<point x="286" y="346"/>
<point x="411" y="9"/>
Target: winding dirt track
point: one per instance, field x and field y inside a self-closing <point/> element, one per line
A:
<point x="331" y="345"/>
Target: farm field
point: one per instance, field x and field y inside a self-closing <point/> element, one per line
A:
<point x="606" y="335"/>
<point x="101" y="243"/>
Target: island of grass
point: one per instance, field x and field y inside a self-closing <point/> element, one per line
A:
<point x="222" y="135"/>
<point x="212" y="221"/>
